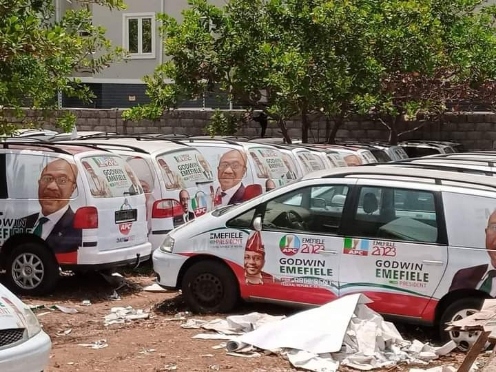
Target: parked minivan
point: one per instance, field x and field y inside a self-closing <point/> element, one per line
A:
<point x="176" y="178"/>
<point x="419" y="243"/>
<point x="69" y="207"/>
<point x="244" y="169"/>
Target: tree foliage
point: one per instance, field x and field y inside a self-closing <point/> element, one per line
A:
<point x="39" y="54"/>
<point x="396" y="60"/>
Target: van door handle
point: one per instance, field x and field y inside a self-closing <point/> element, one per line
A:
<point x="328" y="252"/>
<point x="431" y="262"/>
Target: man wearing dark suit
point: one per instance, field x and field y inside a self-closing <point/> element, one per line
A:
<point x="480" y="277"/>
<point x="230" y="172"/>
<point x="54" y="223"/>
<point x="184" y="199"/>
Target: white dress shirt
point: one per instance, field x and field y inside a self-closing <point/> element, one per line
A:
<point x="53" y="218"/>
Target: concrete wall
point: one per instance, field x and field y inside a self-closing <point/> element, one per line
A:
<point x="474" y="130"/>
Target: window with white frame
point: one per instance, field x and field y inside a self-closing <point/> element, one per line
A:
<point x="139" y="35"/>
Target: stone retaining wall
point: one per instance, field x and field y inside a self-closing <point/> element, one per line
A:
<point x="474" y="130"/>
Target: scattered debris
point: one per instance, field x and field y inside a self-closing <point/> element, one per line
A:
<point x="100" y="344"/>
<point x="64" y="333"/>
<point x="435" y="369"/>
<point x="343" y="332"/>
<point x="170" y="367"/>
<point x="115" y="296"/>
<point x="147" y="351"/>
<point x="119" y="315"/>
<point x="65" y="310"/>
<point x="154" y="288"/>
<point x="482" y="325"/>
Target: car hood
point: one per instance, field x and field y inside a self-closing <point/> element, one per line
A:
<point x="11" y="310"/>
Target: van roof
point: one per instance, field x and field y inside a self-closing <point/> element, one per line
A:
<point x="60" y="148"/>
<point x="429" y="175"/>
<point x="214" y="142"/>
<point x="134" y="144"/>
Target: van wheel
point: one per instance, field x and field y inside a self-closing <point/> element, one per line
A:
<point x="460" y="309"/>
<point x="210" y="287"/>
<point x="32" y="269"/>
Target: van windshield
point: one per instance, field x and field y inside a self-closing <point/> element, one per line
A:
<point x="109" y="176"/>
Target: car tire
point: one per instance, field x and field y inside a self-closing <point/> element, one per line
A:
<point x="210" y="287"/>
<point x="32" y="269"/>
<point x="457" y="310"/>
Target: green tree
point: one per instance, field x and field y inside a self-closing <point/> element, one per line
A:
<point x="38" y="56"/>
<point x="284" y="57"/>
<point x="397" y="60"/>
<point x="433" y="53"/>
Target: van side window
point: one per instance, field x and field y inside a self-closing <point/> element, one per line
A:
<point x="314" y="209"/>
<point x="394" y="213"/>
<point x="243" y="221"/>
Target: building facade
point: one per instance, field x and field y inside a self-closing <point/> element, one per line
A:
<point x="136" y="30"/>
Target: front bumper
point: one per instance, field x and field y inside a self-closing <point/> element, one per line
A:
<point x="29" y="356"/>
<point x="167" y="266"/>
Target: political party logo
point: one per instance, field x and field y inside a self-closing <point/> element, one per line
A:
<point x="358" y="247"/>
<point x="289" y="245"/>
<point x="125" y="227"/>
<point x="199" y="204"/>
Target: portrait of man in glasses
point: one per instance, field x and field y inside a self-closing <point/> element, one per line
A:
<point x="230" y="173"/>
<point x="54" y="222"/>
<point x="481" y="277"/>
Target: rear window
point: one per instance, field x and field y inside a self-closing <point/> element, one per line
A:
<point x="184" y="169"/>
<point x="109" y="176"/>
<point x="29" y="173"/>
<point x="269" y="163"/>
<point x="311" y="161"/>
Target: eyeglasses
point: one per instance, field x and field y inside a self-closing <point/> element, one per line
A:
<point x="492" y="227"/>
<point x="60" y="180"/>
<point x="234" y="165"/>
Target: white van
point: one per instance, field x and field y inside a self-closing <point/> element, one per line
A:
<point x="69" y="207"/>
<point x="420" y="243"/>
<point x="25" y="347"/>
<point x="171" y="174"/>
<point x="244" y="169"/>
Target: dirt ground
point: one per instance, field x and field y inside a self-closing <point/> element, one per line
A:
<point x="154" y="344"/>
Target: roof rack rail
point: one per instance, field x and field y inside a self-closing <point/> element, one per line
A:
<point x="448" y="167"/>
<point x="41" y="144"/>
<point x="193" y="138"/>
<point x="482" y="161"/>
<point x="418" y="172"/>
<point x="101" y="146"/>
<point x="114" y="135"/>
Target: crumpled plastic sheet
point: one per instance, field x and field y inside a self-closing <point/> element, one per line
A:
<point x="359" y="336"/>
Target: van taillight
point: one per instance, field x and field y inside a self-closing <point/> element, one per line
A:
<point x="167" y="208"/>
<point x="86" y="218"/>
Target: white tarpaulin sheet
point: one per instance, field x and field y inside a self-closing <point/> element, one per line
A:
<point x="319" y="330"/>
<point x="342" y="332"/>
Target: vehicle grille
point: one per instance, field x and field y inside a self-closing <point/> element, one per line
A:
<point x="10" y="336"/>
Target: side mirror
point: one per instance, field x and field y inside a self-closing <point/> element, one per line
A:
<point x="319" y="203"/>
<point x="257" y="223"/>
<point x="167" y="208"/>
<point x="252" y="191"/>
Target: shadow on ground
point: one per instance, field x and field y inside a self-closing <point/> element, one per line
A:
<point x="91" y="286"/>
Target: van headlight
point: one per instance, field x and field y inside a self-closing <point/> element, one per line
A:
<point x="168" y="244"/>
<point x="32" y="324"/>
